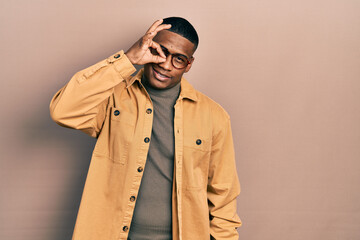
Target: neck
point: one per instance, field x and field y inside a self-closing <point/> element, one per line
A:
<point x="168" y="92"/>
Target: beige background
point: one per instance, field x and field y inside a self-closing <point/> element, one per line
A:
<point x="288" y="73"/>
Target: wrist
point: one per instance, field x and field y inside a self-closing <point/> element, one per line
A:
<point x="130" y="57"/>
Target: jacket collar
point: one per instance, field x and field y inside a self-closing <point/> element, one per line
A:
<point x="186" y="89"/>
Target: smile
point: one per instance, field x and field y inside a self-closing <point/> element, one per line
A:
<point x="159" y="76"/>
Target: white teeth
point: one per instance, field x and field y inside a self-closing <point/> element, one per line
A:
<point x="161" y="76"/>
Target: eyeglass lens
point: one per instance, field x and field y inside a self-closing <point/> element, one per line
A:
<point x="178" y="61"/>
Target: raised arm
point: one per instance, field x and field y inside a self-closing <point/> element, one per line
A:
<point x="82" y="102"/>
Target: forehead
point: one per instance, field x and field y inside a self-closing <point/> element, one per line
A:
<point x="174" y="43"/>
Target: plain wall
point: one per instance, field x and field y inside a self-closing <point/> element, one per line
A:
<point x="288" y="73"/>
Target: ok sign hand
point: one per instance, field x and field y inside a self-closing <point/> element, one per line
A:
<point x="140" y="53"/>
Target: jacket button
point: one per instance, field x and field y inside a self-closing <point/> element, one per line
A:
<point x="146" y="139"/>
<point x="198" y="142"/>
<point x="117" y="56"/>
<point x="125" y="228"/>
<point x="149" y="111"/>
<point x="140" y="169"/>
<point x="116" y="112"/>
<point x="132" y="198"/>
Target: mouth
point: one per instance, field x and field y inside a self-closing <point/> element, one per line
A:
<point x="159" y="76"/>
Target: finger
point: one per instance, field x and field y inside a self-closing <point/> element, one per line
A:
<point x="152" y="34"/>
<point x="154" y="25"/>
<point x="158" y="49"/>
<point x="161" y="27"/>
<point x="157" y="59"/>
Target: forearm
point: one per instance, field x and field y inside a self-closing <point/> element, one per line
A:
<point x="81" y="103"/>
<point x="224" y="219"/>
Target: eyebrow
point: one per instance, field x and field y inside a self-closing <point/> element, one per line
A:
<point x="174" y="53"/>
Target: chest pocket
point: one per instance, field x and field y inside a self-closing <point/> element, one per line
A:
<point x="122" y="128"/>
<point x="197" y="149"/>
<point x="197" y="142"/>
<point x="117" y="135"/>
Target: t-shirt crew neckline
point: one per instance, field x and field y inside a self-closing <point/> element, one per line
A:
<point x="172" y="92"/>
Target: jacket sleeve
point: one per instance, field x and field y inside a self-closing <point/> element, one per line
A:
<point x="82" y="102"/>
<point x="223" y="187"/>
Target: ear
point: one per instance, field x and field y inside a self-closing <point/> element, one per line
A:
<point x="190" y="64"/>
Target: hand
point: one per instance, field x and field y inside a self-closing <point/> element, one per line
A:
<point x="140" y="54"/>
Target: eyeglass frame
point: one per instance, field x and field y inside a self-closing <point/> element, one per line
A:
<point x="167" y="53"/>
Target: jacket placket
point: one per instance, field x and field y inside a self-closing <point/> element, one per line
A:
<point x="179" y="142"/>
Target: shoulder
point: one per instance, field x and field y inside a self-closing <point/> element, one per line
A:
<point x="188" y="91"/>
<point x="216" y="109"/>
<point x="211" y="111"/>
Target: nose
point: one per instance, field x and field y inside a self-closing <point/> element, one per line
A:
<point x="167" y="65"/>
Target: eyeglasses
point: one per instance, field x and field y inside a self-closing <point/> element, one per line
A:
<point x="179" y="61"/>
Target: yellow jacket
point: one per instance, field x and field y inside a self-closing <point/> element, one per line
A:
<point x="107" y="103"/>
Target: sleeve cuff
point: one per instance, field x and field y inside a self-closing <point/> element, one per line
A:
<point x="122" y="64"/>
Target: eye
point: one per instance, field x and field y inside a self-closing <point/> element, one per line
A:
<point x="180" y="59"/>
<point x="153" y="51"/>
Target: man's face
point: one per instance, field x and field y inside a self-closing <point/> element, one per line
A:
<point x="164" y="75"/>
